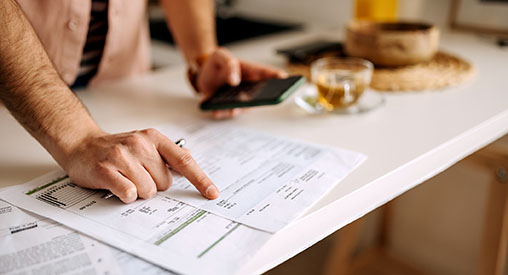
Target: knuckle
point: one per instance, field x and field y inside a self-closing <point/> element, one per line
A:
<point x="184" y="160"/>
<point x="151" y="132"/>
<point x="134" y="140"/>
<point x="137" y="144"/>
<point x="118" y="152"/>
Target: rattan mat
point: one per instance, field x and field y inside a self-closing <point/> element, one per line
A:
<point x="442" y="71"/>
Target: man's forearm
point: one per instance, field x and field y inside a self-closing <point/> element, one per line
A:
<point x="33" y="91"/>
<point x="192" y="24"/>
<point x="130" y="165"/>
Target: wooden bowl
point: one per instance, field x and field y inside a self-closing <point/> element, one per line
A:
<point x="392" y="44"/>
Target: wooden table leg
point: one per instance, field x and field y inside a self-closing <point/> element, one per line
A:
<point x="342" y="251"/>
<point x="503" y="243"/>
<point x="494" y="230"/>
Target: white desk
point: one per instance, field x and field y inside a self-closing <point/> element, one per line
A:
<point x="413" y="137"/>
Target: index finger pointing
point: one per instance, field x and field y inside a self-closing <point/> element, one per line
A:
<point x="184" y="163"/>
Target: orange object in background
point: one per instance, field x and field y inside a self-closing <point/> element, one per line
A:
<point x="376" y="10"/>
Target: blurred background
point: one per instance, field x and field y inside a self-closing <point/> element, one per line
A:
<point x="439" y="227"/>
<point x="240" y="20"/>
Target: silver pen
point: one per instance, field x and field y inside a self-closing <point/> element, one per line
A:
<point x="181" y="142"/>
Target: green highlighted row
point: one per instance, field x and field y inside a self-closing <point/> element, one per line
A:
<point x="46" y="185"/>
<point x="179" y="228"/>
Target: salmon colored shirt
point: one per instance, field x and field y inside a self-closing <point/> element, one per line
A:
<point x="62" y="26"/>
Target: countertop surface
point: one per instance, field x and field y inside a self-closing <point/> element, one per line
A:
<point x="414" y="136"/>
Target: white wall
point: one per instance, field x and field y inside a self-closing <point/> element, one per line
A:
<point x="320" y="13"/>
<point x="336" y="13"/>
<point x="433" y="11"/>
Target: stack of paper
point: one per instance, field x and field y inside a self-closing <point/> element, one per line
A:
<point x="265" y="183"/>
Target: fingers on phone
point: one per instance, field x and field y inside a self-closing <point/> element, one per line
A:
<point x="257" y="72"/>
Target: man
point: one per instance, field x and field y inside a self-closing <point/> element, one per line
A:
<point x="35" y="79"/>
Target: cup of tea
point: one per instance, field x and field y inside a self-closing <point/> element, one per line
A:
<point x="340" y="81"/>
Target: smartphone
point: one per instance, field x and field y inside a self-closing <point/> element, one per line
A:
<point x="249" y="94"/>
<point x="307" y="52"/>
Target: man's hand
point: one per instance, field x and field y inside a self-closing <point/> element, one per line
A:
<point x="130" y="165"/>
<point x="223" y="68"/>
<point x="192" y="23"/>
<point x="133" y="165"/>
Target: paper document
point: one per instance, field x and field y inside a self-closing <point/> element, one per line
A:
<point x="163" y="231"/>
<point x="265" y="183"/>
<point x="31" y="244"/>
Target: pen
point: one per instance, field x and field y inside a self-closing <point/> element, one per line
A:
<point x="181" y="142"/>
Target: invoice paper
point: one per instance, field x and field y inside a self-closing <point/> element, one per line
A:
<point x="31" y="244"/>
<point x="163" y="231"/>
<point x="265" y="181"/>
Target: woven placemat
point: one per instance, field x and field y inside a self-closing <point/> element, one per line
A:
<point x="442" y="71"/>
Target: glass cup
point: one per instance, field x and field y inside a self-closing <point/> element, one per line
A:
<point x="340" y="81"/>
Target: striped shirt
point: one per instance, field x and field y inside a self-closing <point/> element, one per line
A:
<point x="95" y="41"/>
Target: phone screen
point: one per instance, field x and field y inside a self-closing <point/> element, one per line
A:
<point x="266" y="92"/>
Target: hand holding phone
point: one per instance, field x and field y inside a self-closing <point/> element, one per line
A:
<point x="249" y="94"/>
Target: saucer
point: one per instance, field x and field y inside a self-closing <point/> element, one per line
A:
<point x="307" y="99"/>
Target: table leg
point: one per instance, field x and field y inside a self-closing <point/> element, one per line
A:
<point x="495" y="231"/>
<point x="342" y="251"/>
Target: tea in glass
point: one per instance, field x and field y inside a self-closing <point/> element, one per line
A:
<point x="340" y="81"/>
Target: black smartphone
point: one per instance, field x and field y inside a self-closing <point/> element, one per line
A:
<point x="249" y="94"/>
<point x="307" y="52"/>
